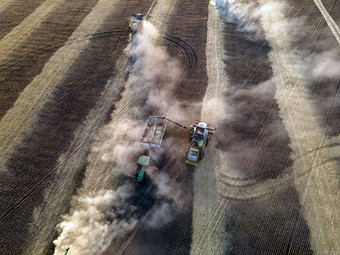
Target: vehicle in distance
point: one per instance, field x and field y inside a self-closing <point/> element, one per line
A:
<point x="136" y="22"/>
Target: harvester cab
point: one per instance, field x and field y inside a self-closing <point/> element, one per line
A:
<point x="200" y="134"/>
<point x="141" y="174"/>
<point x="136" y="22"/>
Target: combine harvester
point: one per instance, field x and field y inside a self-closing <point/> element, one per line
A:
<point x="155" y="130"/>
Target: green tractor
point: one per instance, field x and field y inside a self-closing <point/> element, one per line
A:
<point x="141" y="174"/>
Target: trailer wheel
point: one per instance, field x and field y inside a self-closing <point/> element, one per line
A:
<point x="206" y="143"/>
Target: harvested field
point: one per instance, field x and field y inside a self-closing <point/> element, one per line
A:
<point x="77" y="88"/>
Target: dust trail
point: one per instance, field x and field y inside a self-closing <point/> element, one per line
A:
<point x="21" y="32"/>
<point x="209" y="207"/>
<point x="230" y="180"/>
<point x="242" y="13"/>
<point x="71" y="163"/>
<point x="319" y="189"/>
<point x="20" y="117"/>
<point x="114" y="153"/>
<point x="314" y="164"/>
<point x="325" y="65"/>
<point x="330" y="22"/>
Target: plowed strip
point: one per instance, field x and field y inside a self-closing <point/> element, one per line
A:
<point x="31" y="100"/>
<point x="209" y="207"/>
<point x="24" y="29"/>
<point x="4" y="4"/>
<point x="17" y="70"/>
<point x="319" y="189"/>
<point x="330" y="22"/>
<point x="12" y="13"/>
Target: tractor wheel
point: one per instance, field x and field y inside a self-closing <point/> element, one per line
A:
<point x="201" y="155"/>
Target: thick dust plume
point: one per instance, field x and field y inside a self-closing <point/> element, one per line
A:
<point x="325" y="65"/>
<point x="247" y="15"/>
<point x="253" y="134"/>
<point x="322" y="75"/>
<point x="99" y="214"/>
<point x="298" y="94"/>
<point x="243" y="13"/>
<point x="90" y="227"/>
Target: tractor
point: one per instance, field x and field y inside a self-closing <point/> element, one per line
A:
<point x="141" y="174"/>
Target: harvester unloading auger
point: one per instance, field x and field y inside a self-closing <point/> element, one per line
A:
<point x="155" y="129"/>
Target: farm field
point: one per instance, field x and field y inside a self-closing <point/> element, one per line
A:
<point x="77" y="88"/>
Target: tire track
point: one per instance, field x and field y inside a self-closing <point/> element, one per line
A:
<point x="330" y="22"/>
<point x="192" y="90"/>
<point x="254" y="179"/>
<point x="187" y="52"/>
<point x="21" y="116"/>
<point x="14" y="62"/>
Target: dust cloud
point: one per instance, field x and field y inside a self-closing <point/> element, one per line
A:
<point x="325" y="65"/>
<point x="312" y="162"/>
<point x="304" y="79"/>
<point x="245" y="14"/>
<point x="100" y="213"/>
